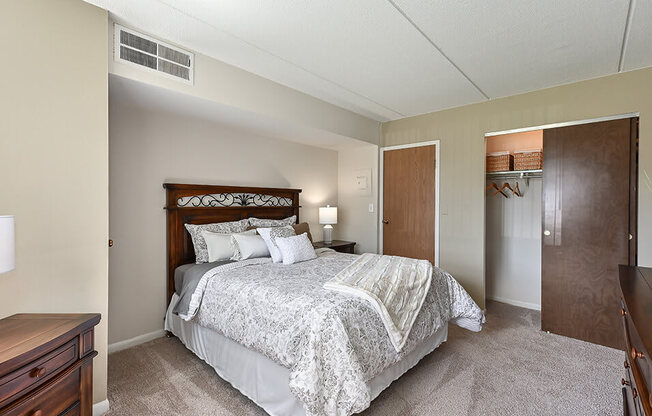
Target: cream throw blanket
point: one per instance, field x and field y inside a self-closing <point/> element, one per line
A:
<point x="395" y="286"/>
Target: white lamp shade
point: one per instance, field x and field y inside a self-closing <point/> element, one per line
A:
<point x="328" y="215"/>
<point x="7" y="244"/>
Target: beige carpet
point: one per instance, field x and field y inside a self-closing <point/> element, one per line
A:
<point x="510" y="368"/>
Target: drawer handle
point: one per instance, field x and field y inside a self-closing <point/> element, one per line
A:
<point x="38" y="412"/>
<point x="626" y="364"/>
<point x="624" y="382"/>
<point x="37" y="372"/>
<point x="637" y="354"/>
<point x="623" y="312"/>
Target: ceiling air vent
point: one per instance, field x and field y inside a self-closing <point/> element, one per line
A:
<point x="138" y="49"/>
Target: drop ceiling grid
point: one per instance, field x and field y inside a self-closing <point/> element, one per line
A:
<point x="638" y="53"/>
<point x="365" y="56"/>
<point x="365" y="46"/>
<point x="509" y="47"/>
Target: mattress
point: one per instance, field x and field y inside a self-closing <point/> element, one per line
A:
<point x="262" y="380"/>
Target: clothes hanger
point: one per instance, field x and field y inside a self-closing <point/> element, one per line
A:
<point x="516" y="191"/>
<point x="505" y="185"/>
<point x="494" y="186"/>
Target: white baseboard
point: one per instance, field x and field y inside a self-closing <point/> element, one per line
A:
<point x="518" y="303"/>
<point x="101" y="408"/>
<point x="132" y="342"/>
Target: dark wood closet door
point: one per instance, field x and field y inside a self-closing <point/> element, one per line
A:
<point x="409" y="202"/>
<point x="586" y="228"/>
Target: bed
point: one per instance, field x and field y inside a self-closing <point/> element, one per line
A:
<point x="273" y="331"/>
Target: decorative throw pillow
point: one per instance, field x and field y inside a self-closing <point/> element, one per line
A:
<point x="302" y="228"/>
<point x="201" y="253"/>
<point x="270" y="235"/>
<point x="219" y="245"/>
<point x="298" y="229"/>
<point x="248" y="246"/>
<point x="261" y="222"/>
<point x="296" y="249"/>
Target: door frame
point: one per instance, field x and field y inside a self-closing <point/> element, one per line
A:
<point x="381" y="180"/>
<point x="532" y="128"/>
<point x="563" y="124"/>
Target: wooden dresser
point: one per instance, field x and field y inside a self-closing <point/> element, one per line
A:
<point x="636" y="312"/>
<point x="46" y="364"/>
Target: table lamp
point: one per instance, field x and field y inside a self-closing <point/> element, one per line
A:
<point x="328" y="216"/>
<point x="7" y="244"/>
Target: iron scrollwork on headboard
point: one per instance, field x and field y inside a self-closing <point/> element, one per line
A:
<point x="227" y="199"/>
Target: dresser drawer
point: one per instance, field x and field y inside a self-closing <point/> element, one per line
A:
<point x="74" y="410"/>
<point x="631" y="405"/>
<point x="57" y="397"/>
<point x="38" y="372"/>
<point x="637" y="366"/>
<point x="628" y="406"/>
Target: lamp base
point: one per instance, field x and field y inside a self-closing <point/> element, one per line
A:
<point x="328" y="234"/>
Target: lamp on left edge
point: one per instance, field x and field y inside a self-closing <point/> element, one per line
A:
<point x="7" y="244"/>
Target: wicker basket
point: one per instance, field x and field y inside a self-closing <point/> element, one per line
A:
<point x="528" y="159"/>
<point x="499" y="162"/>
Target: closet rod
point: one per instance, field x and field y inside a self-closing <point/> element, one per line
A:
<point x="516" y="174"/>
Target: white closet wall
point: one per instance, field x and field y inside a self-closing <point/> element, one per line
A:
<point x="513" y="245"/>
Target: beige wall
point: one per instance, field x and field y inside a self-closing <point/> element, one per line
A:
<point x="149" y="148"/>
<point x="226" y="84"/>
<point x="53" y="160"/>
<point x="461" y="132"/>
<point x="355" y="222"/>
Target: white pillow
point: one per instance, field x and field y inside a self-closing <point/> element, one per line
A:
<point x="296" y="249"/>
<point x="270" y="235"/>
<point x="198" y="242"/>
<point x="219" y="245"/>
<point x="247" y="246"/>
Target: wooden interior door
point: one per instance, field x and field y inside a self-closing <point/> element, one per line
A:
<point x="587" y="180"/>
<point x="409" y="202"/>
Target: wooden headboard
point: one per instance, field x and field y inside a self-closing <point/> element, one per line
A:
<point x="204" y="204"/>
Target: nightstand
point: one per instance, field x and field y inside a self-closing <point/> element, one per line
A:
<point x="337" y="245"/>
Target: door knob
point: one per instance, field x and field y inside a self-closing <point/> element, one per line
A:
<point x="385" y="221"/>
<point x="546" y="233"/>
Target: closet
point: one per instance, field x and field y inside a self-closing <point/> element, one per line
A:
<point x="513" y="221"/>
<point x="558" y="246"/>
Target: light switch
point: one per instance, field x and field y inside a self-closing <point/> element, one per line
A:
<point x="371" y="207"/>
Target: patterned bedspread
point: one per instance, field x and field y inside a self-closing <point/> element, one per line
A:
<point x="333" y="343"/>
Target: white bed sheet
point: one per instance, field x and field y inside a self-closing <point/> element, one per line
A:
<point x="262" y="380"/>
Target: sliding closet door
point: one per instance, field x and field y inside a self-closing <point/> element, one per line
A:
<point x="409" y="202"/>
<point x="586" y="228"/>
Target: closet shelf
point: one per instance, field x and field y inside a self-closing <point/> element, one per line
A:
<point x="516" y="174"/>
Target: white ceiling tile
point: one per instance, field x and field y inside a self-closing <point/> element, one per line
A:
<point x="508" y="47"/>
<point x="638" y="53"/>
<point x="365" y="46"/>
